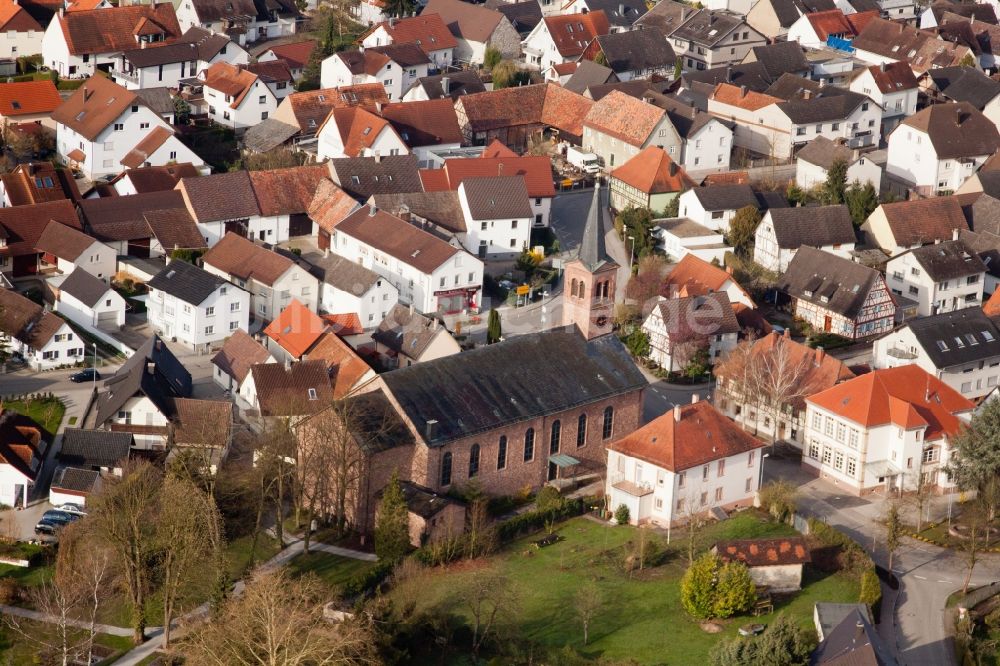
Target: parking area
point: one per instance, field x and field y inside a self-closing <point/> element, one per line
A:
<point x="20" y="525"/>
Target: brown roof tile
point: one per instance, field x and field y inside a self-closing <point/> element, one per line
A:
<point x="230" y="80"/>
<point x="543" y="103"/>
<point x="24" y="224"/>
<point x="311" y="108"/>
<point x="158" y="178"/>
<point x="624" y="117"/>
<point x="345" y="366"/>
<point x="424" y="123"/>
<point x="330" y="205"/>
<point x="116" y="28"/>
<point x="572" y="32"/>
<point x="735" y="96"/>
<point x="64" y="242"/>
<point x="238" y="256"/>
<point x="219" y="196"/>
<point x="282" y="392"/>
<point x="95" y="105"/>
<point x="357" y="127"/>
<point x="124" y="218"/>
<point x="296" y="54"/>
<point x="537" y="172"/>
<point x="149" y="144"/>
<point x="467" y="21"/>
<point x="16" y="18"/>
<point x="202" y="422"/>
<point x="295" y="329"/>
<point x="387" y="233"/>
<point x="38" y="182"/>
<point x="956" y="130"/>
<point x="287" y="191"/>
<point x="428" y="31"/>
<point x="764" y="552"/>
<point x="238" y="353"/>
<point x="924" y="220"/>
<point x="174" y="228"/>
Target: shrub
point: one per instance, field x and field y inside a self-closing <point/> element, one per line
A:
<point x="622" y="515"/>
<point x="735" y="591"/>
<point x="697" y="587"/>
<point x="711" y="589"/>
<point x="992" y="619"/>
<point x="784" y="643"/>
<point x="367" y="581"/>
<point x="778" y="499"/>
<point x="532" y="521"/>
<point x="871" y="590"/>
<point x="10" y="591"/>
<point x="548" y="498"/>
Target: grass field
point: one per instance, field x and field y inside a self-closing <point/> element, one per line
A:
<point x="47" y="413"/>
<point x="18" y="649"/>
<point x="641" y="617"/>
<point x="333" y="570"/>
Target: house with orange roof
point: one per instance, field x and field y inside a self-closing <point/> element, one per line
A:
<point x="22" y="33"/>
<point x="22" y="452"/>
<point x="813" y="29"/>
<point x="395" y="66"/>
<point x="306" y="111"/>
<point x="293" y="332"/>
<point x="681" y="465"/>
<point x="235" y="97"/>
<point x="560" y="39"/>
<point x="29" y="102"/>
<point x="619" y="126"/>
<point x="889" y="430"/>
<point x="295" y="54"/>
<point x="348" y="371"/>
<point x="357" y="132"/>
<point x="428" y="31"/>
<point x="811" y="371"/>
<point x="231" y="364"/>
<point x="696" y="277"/>
<point x="649" y="180"/>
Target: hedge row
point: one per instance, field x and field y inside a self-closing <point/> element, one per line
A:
<point x="855" y="559"/>
<point x="532" y="521"/>
<point x="366" y="581"/>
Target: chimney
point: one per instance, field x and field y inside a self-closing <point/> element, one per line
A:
<point x="673" y="168"/>
<point x="150" y="368"/>
<point x="859" y="632"/>
<point x="855" y="154"/>
<point x="729" y="73"/>
<point x="684" y="13"/>
<point x="743" y="92"/>
<point x="820" y="354"/>
<point x="695" y="398"/>
<point x="677" y="413"/>
<point x="411" y="309"/>
<point x="788" y="333"/>
<point x="430" y="429"/>
<point x="404" y="213"/>
<point x="882" y="67"/>
<point x="445" y="81"/>
<point x="378" y="157"/>
<point x="288" y="364"/>
<point x="378" y="108"/>
<point x="392" y="21"/>
<point x="621" y="9"/>
<point x="954" y="234"/>
<point x="142" y="44"/>
<point x="372" y="209"/>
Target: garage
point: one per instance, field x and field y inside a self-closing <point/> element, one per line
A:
<point x="299" y="224"/>
<point x="108" y="320"/>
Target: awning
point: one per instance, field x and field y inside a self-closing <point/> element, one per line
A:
<point x="76" y="155"/>
<point x="563" y="460"/>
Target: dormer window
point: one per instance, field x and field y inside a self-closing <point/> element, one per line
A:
<point x="312" y="394"/>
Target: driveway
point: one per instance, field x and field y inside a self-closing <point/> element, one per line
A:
<point x="20" y="525"/>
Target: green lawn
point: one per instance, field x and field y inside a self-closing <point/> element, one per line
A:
<point x="641" y="617"/>
<point x="238" y="553"/>
<point x="17" y="649"/>
<point x="333" y="570"/>
<point x="28" y="576"/>
<point x="47" y="412"/>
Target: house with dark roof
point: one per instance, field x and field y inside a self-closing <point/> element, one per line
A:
<point x="224" y="202"/>
<point x="428" y="31"/>
<point x="406" y="337"/>
<point x="837" y="295"/>
<point x="139" y="398"/>
<point x="675" y="466"/>
<point x="188" y="304"/>
<point x="102" y="127"/>
<point x="634" y="55"/>
<point x="681" y="327"/>
<point x="477" y="28"/>
<point x="72" y="485"/>
<point x="202" y="429"/>
<point x="363" y="177"/>
<point x="903" y="225"/>
<point x="497" y="216"/>
<point x="853" y="641"/>
<point x="959" y="347"/>
<point x="300" y="114"/>
<point x="773" y="18"/>
<point x="908" y="420"/>
<point x="293" y="391"/>
<point x="707" y="38"/>
<point x="893" y="87"/>
<point x="20" y="229"/>
<point x="244" y="21"/>
<point x="99" y="450"/>
<point x="450" y="85"/>
<point x="775" y="564"/>
<point x="649" y="180"/>
<point x="142" y="225"/>
<point x="714" y="206"/>
<point x="559" y="39"/>
<point x="169" y="63"/>
<point x="942" y="277"/>
<point x="89" y="302"/>
<point x="233" y="361"/>
<point x="23" y="447"/>
<point x="429" y="273"/>
<point x="347" y="287"/>
<point x="964" y="84"/>
<point x="780" y="58"/>
<point x="814" y="160"/>
<point x="523" y="15"/>
<point x="69" y="249"/>
<point x="784" y="230"/>
<point x="586" y="74"/>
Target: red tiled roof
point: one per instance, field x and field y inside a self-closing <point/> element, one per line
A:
<point x="543" y="103"/>
<point x="424" y="123"/>
<point x="893" y="77"/>
<point x="348" y="323"/>
<point x="830" y="22"/>
<point x="905" y="396"/>
<point x="992" y="306"/>
<point x="427" y="31"/>
<point x="14" y="17"/>
<point x="693" y="276"/>
<point x="229" y="80"/>
<point x="346" y="367"/>
<point x="702" y="435"/>
<point x="572" y="32"/>
<point x="311" y="108"/>
<point x="330" y="205"/>
<point x="296" y="54"/>
<point x="726" y="93"/>
<point x="287" y="191"/>
<point x="859" y="20"/>
<point x="115" y="29"/>
<point x="296" y="328"/>
<point x="495" y="148"/>
<point x="95" y="105"/>
<point x="653" y="172"/>
<point x="764" y="552"/>
<point x="727" y="178"/>
<point x="358" y="128"/>
<point x="238" y="353"/>
<point x="136" y="157"/>
<point x="28" y="97"/>
<point x="624" y="117"/>
<point x="537" y="172"/>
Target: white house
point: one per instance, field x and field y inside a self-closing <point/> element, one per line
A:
<point x="560" y="39"/>
<point x="168" y="63"/>
<point x="233" y="361"/>
<point x="784" y="230"/>
<point x="814" y="160"/>
<point x="938" y="148"/>
<point x="23" y="34"/>
<point x="76" y="43"/>
<point x="246" y="20"/>
<point x="942" y="277"/>
<point x="427" y="31"/>
<point x="705" y="39"/>
<point x="680" y="328"/>
<point x="679" y="237"/>
<point x="893" y="87"/>
<point x="272" y="279"/>
<point x="884" y="431"/>
<point x="103" y="127"/>
<point x="714" y="206"/>
<point x="90" y="302"/>
<point x="357" y="132"/>
<point x="619" y="126"/>
<point x="429" y="273"/>
<point x="497" y="216"/>
<point x="961" y="348"/>
<point x="22" y="451"/>
<point x="396" y="66"/>
<point x="70" y="249"/>
<point x="236" y="97"/>
<point x="39" y="337"/>
<point x="666" y="472"/>
<point x="349" y="287"/>
<point x="477" y="28"/>
<point x="283" y="198"/>
<point x="225" y="202"/>
<point x="195" y="307"/>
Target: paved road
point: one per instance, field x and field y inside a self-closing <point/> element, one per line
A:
<point x="927" y="574"/>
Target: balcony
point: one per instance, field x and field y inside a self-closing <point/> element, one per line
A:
<point x="901" y="354"/>
<point x="619" y="482"/>
<point x="131" y="77"/>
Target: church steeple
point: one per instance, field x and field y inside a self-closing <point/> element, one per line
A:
<point x="592" y="250"/>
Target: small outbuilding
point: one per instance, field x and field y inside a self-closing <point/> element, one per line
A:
<point x="774" y="563"/>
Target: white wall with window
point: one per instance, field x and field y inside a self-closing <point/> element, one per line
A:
<point x="199" y="325"/>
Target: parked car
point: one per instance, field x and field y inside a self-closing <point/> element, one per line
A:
<point x="60" y="516"/>
<point x="74" y="509"/>
<point x="88" y="375"/>
<point x="46" y="528"/>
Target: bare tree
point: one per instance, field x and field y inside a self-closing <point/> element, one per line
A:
<point x="491" y="600"/>
<point x="278" y="621"/>
<point x="60" y="603"/>
<point x="481" y="535"/>
<point x="87" y="564"/>
<point x="919" y="497"/>
<point x="893" y="531"/>
<point x="125" y="519"/>
<point x="785" y="378"/>
<point x="589" y="600"/>
<point x="975" y="518"/>
<point x="693" y="516"/>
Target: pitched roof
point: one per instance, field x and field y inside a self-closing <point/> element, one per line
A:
<point x="920" y="48"/>
<point x="957" y="338"/>
<point x="424" y="123"/>
<point x="653" y="171"/>
<point x="14" y="17"/>
<point x="427" y="31"/>
<point x="701" y="435"/>
<point x="311" y="108"/>
<point x="116" y="28"/>
<point x="572" y="32"/>
<point x="665" y="15"/>
<point x="815" y="226"/>
<point x="726" y="93"/>
<point x="463" y="82"/>
<point x="330" y="205"/>
<point x="948" y="260"/>
<point x="296" y="54"/>
<point x="537" y="172"/>
<point x="158" y="178"/>
<point x="271" y="71"/>
<point x="96" y="104"/>
<point x="543" y="103"/>
<point x="593" y="254"/>
<point x="956" y="130"/>
<point x="828" y="281"/>
<point x="215" y="10"/>
<point x="267" y="135"/>
<point x="586" y="74"/>
<point x="781" y="57"/>
<point x="202" y="423"/>
<point x="371" y="60"/>
<point x="712" y="311"/>
<point x="35" y="182"/>
<point x="634" y="50"/>
<point x="707" y="28"/>
<point x="25" y="320"/>
<point x="84" y="287"/>
<point x="497" y="197"/>
<point x="440" y="208"/>
<point x="345" y="366"/>
<point x="186" y="282"/>
<point x="924" y="220"/>
<point x="833" y="104"/>
<point x="287" y="191"/>
<point x="788" y="11"/>
<point x="402" y="240"/>
<point x="358" y="129"/>
<point x="152" y="371"/>
<point x="693" y="276"/>
<point x="823" y="152"/>
<point x="764" y="552"/>
<point x="407" y="332"/>
<point x="524" y="16"/>
<point x="198" y="42"/>
<point x="94" y="448"/>
<point x="853" y="642"/>
<point x="28" y="97"/>
<point x="125" y="218"/>
<point x="20" y="438"/>
<point x="497" y="385"/>
<point x="364" y="176"/>
<point x="474" y="23"/>
<point x="286" y="392"/>
<point x="725" y="197"/>
<point x="63" y="241"/>
<point x="965" y="84"/>
<point x="894" y="76"/>
<point x="906" y="396"/>
<point x="231" y="80"/>
<point x="24" y="225"/>
<point x="219" y="196"/>
<point x="236" y="255"/>
<point x="147" y="146"/>
<point x="344" y="274"/>
<point x="621" y="13"/>
<point x="296" y="328"/>
<point x="174" y="229"/>
<point x="624" y="117"/>
<point x="238" y="353"/>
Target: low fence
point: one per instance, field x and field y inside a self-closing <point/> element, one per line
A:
<point x="777" y="173"/>
<point x="978" y="596"/>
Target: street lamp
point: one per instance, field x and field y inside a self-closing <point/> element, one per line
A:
<point x="95" y="365"/>
<point x="631" y="256"/>
<point x="760" y="477"/>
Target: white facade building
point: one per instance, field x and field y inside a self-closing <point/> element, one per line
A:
<point x="942" y="277"/>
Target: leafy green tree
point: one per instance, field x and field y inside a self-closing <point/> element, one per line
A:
<point x="861" y="200"/>
<point x="698" y="587"/>
<point x="637" y="223"/>
<point x="778" y="499"/>
<point x="871" y="589"/>
<point x="795" y="194"/>
<point x="399" y="8"/>
<point x="392" y="533"/>
<point x="742" y="228"/>
<point x="527" y="263"/>
<point x="673" y="208"/>
<point x="735" y="591"/>
<point x="893" y="530"/>
<point x="492" y="57"/>
<point x="835" y="186"/>
<point x="783" y="643"/>
<point x="698" y="364"/>
<point x="493" y="330"/>
<point x="975" y="463"/>
<point x="637" y="342"/>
